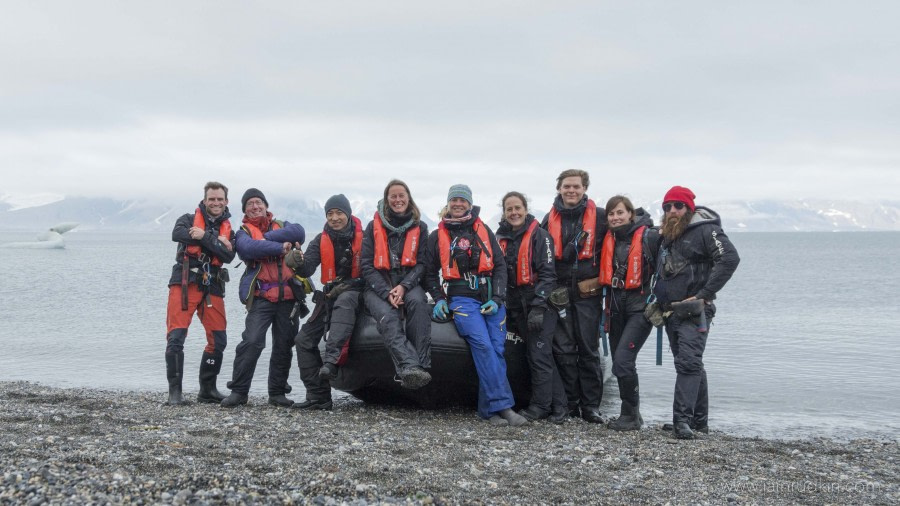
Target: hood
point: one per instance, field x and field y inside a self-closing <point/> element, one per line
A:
<point x="704" y="215"/>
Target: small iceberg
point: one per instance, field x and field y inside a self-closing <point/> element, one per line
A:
<point x="50" y="239"/>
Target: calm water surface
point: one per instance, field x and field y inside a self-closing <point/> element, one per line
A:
<point x="804" y="343"/>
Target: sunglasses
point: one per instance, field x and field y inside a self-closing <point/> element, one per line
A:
<point x="668" y="206"/>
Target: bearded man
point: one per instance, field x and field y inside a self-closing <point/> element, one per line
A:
<point x="695" y="261"/>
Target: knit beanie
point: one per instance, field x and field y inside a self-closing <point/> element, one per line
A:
<point x="680" y="194"/>
<point x="460" y="190"/>
<point x="339" y="202"/>
<point x="249" y="194"/>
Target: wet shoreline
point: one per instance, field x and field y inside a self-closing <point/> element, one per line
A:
<point x="80" y="445"/>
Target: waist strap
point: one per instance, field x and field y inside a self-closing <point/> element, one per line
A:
<point x="265" y="287"/>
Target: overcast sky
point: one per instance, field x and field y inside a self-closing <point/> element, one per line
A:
<point x="734" y="99"/>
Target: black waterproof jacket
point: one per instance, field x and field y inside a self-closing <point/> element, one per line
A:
<point x="312" y="257"/>
<point x="432" y="281"/>
<point x="209" y="244"/>
<point x="382" y="282"/>
<point x="569" y="267"/>
<point x="624" y="301"/>
<point x="543" y="265"/>
<point x="698" y="263"/>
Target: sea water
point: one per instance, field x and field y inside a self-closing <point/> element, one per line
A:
<point x="804" y="344"/>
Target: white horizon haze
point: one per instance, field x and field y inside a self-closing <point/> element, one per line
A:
<point x="736" y="101"/>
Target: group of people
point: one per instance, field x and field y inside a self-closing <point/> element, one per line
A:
<point x="560" y="283"/>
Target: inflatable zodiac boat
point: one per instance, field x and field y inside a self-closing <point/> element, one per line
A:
<point x="369" y="373"/>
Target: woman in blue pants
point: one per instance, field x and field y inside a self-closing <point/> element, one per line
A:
<point x="471" y="263"/>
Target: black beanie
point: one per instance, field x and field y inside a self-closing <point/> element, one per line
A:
<point x="249" y="194"/>
<point x="340" y="202"/>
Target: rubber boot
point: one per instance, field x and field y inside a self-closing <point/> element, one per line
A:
<point x="174" y="373"/>
<point x="512" y="417"/>
<point x="414" y="377"/>
<point x="314" y="404"/>
<point x="630" y="417"/>
<point x="593" y="415"/>
<point x="533" y="413"/>
<point x="700" y="423"/>
<point x="234" y="399"/>
<point x="683" y="431"/>
<point x="559" y="415"/>
<point x="210" y="365"/>
<point x="280" y="401"/>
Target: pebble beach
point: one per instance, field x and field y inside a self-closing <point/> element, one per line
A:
<point x="79" y="446"/>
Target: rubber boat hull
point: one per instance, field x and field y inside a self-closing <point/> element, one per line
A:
<point x="368" y="373"/>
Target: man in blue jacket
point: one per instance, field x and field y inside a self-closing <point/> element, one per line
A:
<point x="265" y="288"/>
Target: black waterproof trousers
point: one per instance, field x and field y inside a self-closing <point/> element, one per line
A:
<point x="406" y="331"/>
<point x="576" y="348"/>
<point x="627" y="335"/>
<point x="547" y="389"/>
<point x="691" y="404"/>
<point x="261" y="316"/>
<point x="343" y="311"/>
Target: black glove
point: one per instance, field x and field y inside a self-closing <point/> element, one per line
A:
<point x="294" y="259"/>
<point x="337" y="290"/>
<point x="536" y="318"/>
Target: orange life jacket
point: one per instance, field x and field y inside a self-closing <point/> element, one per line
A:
<point x="383" y="256"/>
<point x="633" y="271"/>
<point x="588" y="224"/>
<point x="524" y="273"/>
<point x="326" y="250"/>
<point x="485" y="263"/>
<point x="255" y="232"/>
<point x="268" y="275"/>
<point x="194" y="250"/>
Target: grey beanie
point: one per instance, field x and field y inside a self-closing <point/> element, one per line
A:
<point x="339" y="202"/>
<point x="461" y="191"/>
<point x="249" y="194"/>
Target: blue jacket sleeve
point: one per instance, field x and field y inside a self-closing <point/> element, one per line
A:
<point x="250" y="249"/>
<point x="290" y="232"/>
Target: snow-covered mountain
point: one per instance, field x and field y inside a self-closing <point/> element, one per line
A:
<point x="149" y="215"/>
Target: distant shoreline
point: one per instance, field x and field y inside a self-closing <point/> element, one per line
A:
<point x="82" y="445"/>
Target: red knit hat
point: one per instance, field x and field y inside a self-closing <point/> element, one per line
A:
<point x="680" y="194"/>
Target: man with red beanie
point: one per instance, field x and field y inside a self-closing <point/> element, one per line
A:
<point x="695" y="261"/>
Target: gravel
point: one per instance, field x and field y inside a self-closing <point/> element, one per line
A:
<point x="76" y="446"/>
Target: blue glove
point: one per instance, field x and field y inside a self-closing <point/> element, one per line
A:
<point x="440" y="310"/>
<point x="489" y="308"/>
